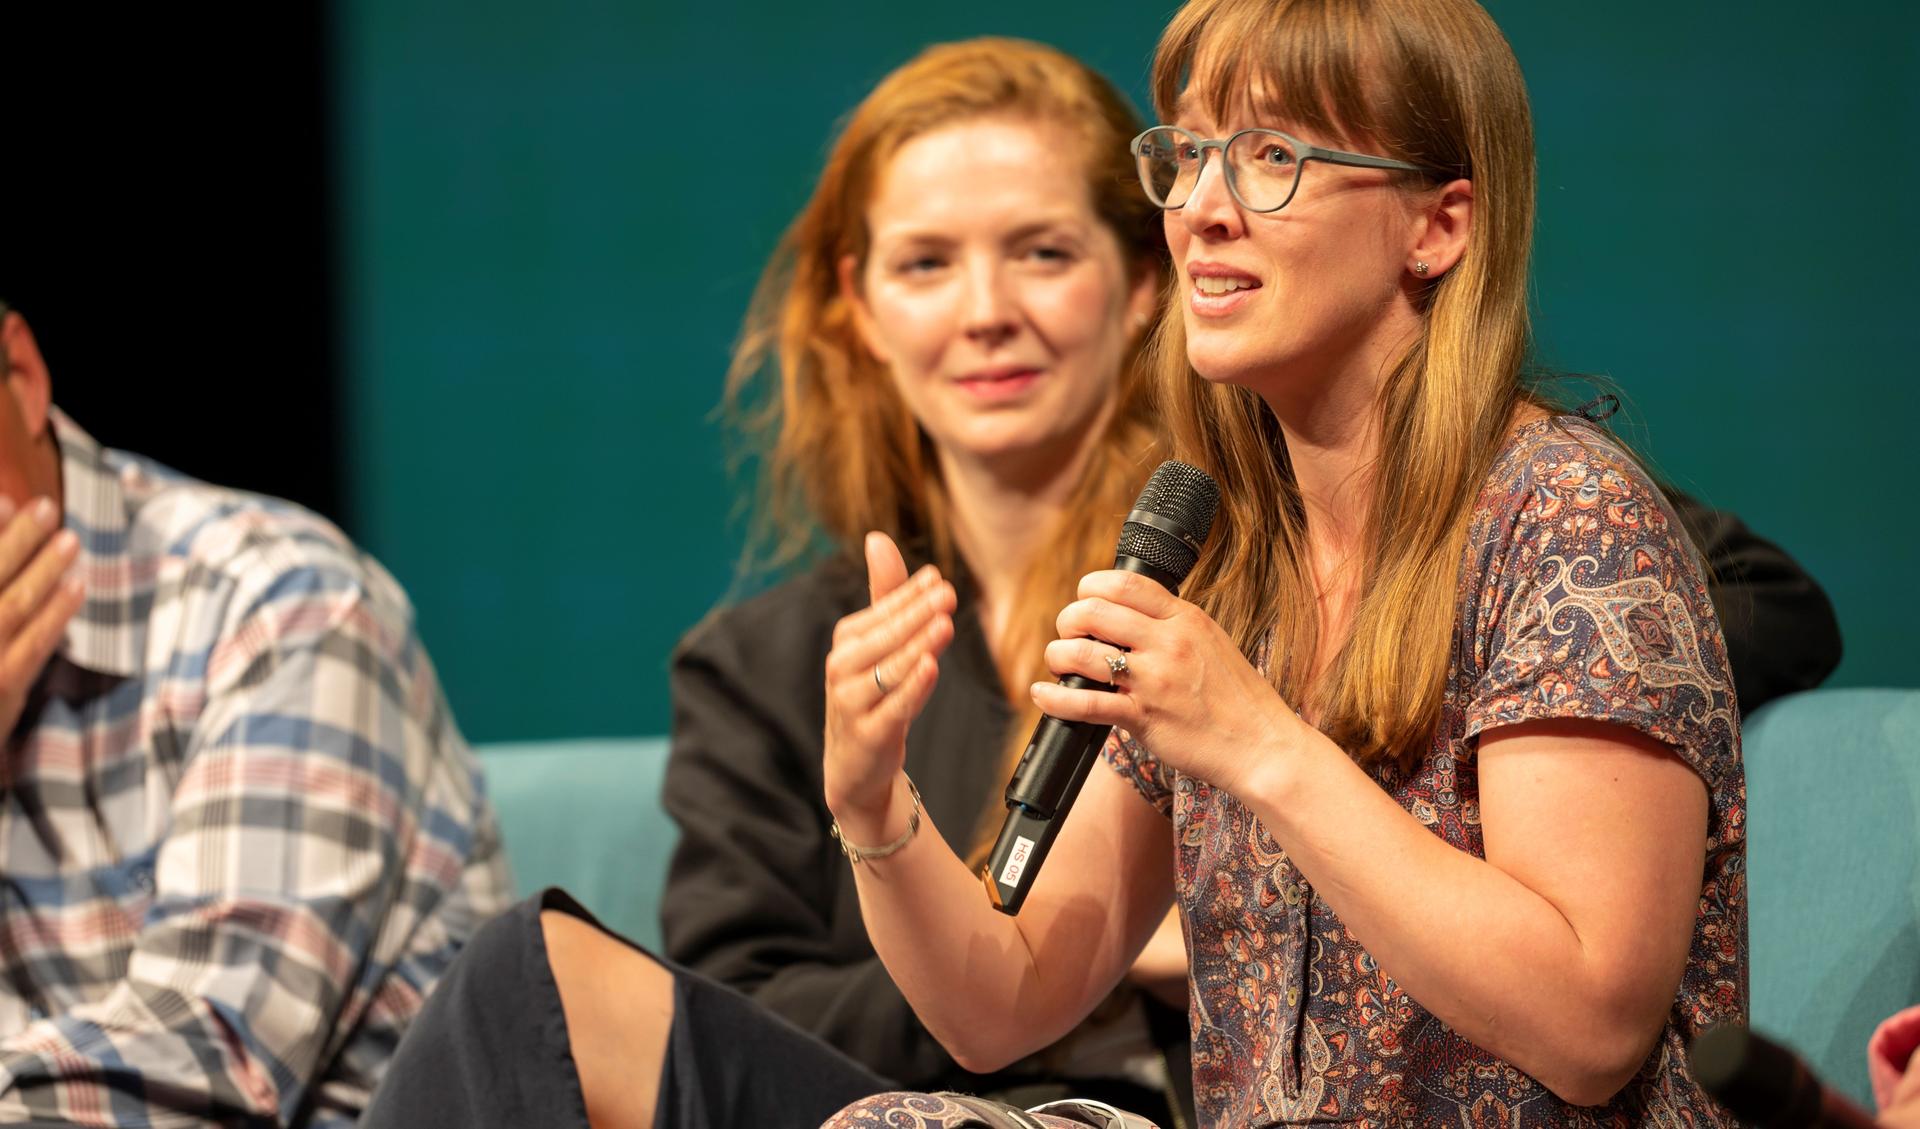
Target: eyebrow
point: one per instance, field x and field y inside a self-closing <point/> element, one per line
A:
<point x="1063" y="224"/>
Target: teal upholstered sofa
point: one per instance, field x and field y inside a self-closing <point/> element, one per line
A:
<point x="586" y="815"/>
<point x="1833" y="780"/>
<point x="1833" y="871"/>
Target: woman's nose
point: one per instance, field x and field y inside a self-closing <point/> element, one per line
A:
<point x="990" y="312"/>
<point x="1211" y="211"/>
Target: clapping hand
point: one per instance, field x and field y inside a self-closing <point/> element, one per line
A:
<point x="37" y="597"/>
<point x="880" y="672"/>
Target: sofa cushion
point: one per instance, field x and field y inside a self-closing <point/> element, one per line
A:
<point x="585" y="815"/>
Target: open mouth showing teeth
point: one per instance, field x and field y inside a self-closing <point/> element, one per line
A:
<point x="1208" y="285"/>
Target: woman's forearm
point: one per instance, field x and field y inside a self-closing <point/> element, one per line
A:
<point x="993" y="987"/>
<point x="932" y="927"/>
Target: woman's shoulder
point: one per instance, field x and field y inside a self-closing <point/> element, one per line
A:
<point x="1567" y="454"/>
<point x="789" y="618"/>
<point x="1563" y="488"/>
<point x="1565" y="480"/>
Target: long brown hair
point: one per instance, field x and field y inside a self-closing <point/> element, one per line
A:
<point x="840" y="452"/>
<point x="1434" y="83"/>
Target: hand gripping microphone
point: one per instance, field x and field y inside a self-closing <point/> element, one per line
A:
<point x="1766" y="1084"/>
<point x="1161" y="539"/>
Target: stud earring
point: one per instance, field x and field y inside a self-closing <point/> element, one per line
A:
<point x="1420" y="267"/>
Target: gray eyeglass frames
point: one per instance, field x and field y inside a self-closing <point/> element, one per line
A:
<point x="1262" y="166"/>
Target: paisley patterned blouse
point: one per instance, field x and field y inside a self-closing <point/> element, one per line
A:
<point x="1579" y="597"/>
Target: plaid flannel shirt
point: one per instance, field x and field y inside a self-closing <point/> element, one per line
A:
<point x="240" y="835"/>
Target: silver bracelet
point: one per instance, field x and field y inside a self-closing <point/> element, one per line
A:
<point x="864" y="854"/>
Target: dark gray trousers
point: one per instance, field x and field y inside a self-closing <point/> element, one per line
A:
<point x="490" y="1049"/>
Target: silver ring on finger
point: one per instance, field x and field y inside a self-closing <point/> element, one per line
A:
<point x="878" y="681"/>
<point x="1117" y="666"/>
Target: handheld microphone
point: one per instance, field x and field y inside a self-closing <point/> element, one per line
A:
<point x="1161" y="539"/>
<point x="1766" y="1084"/>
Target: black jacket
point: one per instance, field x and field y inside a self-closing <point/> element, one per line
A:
<point x="1781" y="632"/>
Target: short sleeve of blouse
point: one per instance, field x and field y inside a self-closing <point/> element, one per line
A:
<point x="1142" y="769"/>
<point x="1593" y="604"/>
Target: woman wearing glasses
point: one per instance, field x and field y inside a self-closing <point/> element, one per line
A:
<point x="1501" y="740"/>
<point x="1445" y="729"/>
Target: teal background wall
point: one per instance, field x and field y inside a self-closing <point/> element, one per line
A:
<point x="552" y="218"/>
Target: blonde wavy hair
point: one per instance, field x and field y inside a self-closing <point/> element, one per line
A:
<point x="1434" y="83"/>
<point x="840" y="453"/>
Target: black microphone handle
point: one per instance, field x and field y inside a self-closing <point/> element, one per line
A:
<point x="1058" y="758"/>
<point x="1042" y="783"/>
<point x="1028" y="833"/>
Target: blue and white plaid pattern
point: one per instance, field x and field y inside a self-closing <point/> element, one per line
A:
<point x="240" y="836"/>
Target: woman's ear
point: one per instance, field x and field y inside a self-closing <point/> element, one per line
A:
<point x="1444" y="223"/>
<point x="26" y="376"/>
<point x="1143" y="301"/>
<point x="849" y="272"/>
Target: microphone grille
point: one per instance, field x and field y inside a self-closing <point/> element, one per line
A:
<point x="1180" y="501"/>
<point x="1182" y="493"/>
<point x="1162" y="550"/>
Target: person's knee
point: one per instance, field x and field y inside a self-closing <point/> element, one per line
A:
<point x="565" y="933"/>
<point x="618" y="1004"/>
<point x="593" y="968"/>
<point x="579" y="943"/>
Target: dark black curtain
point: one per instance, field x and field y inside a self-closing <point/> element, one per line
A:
<point x="166" y="228"/>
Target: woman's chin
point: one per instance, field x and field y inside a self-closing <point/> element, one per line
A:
<point x="1223" y="370"/>
<point x="1012" y="449"/>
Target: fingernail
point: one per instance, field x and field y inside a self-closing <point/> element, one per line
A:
<point x="74" y="586"/>
<point x="66" y="541"/>
<point x="45" y="512"/>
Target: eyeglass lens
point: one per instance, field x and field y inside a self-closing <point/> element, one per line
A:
<point x="1265" y="167"/>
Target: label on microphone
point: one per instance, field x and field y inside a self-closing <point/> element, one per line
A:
<point x="1017" y="861"/>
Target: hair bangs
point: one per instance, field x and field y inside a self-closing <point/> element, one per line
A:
<point x="1310" y="64"/>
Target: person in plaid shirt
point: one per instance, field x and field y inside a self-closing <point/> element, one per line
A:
<point x="240" y="835"/>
